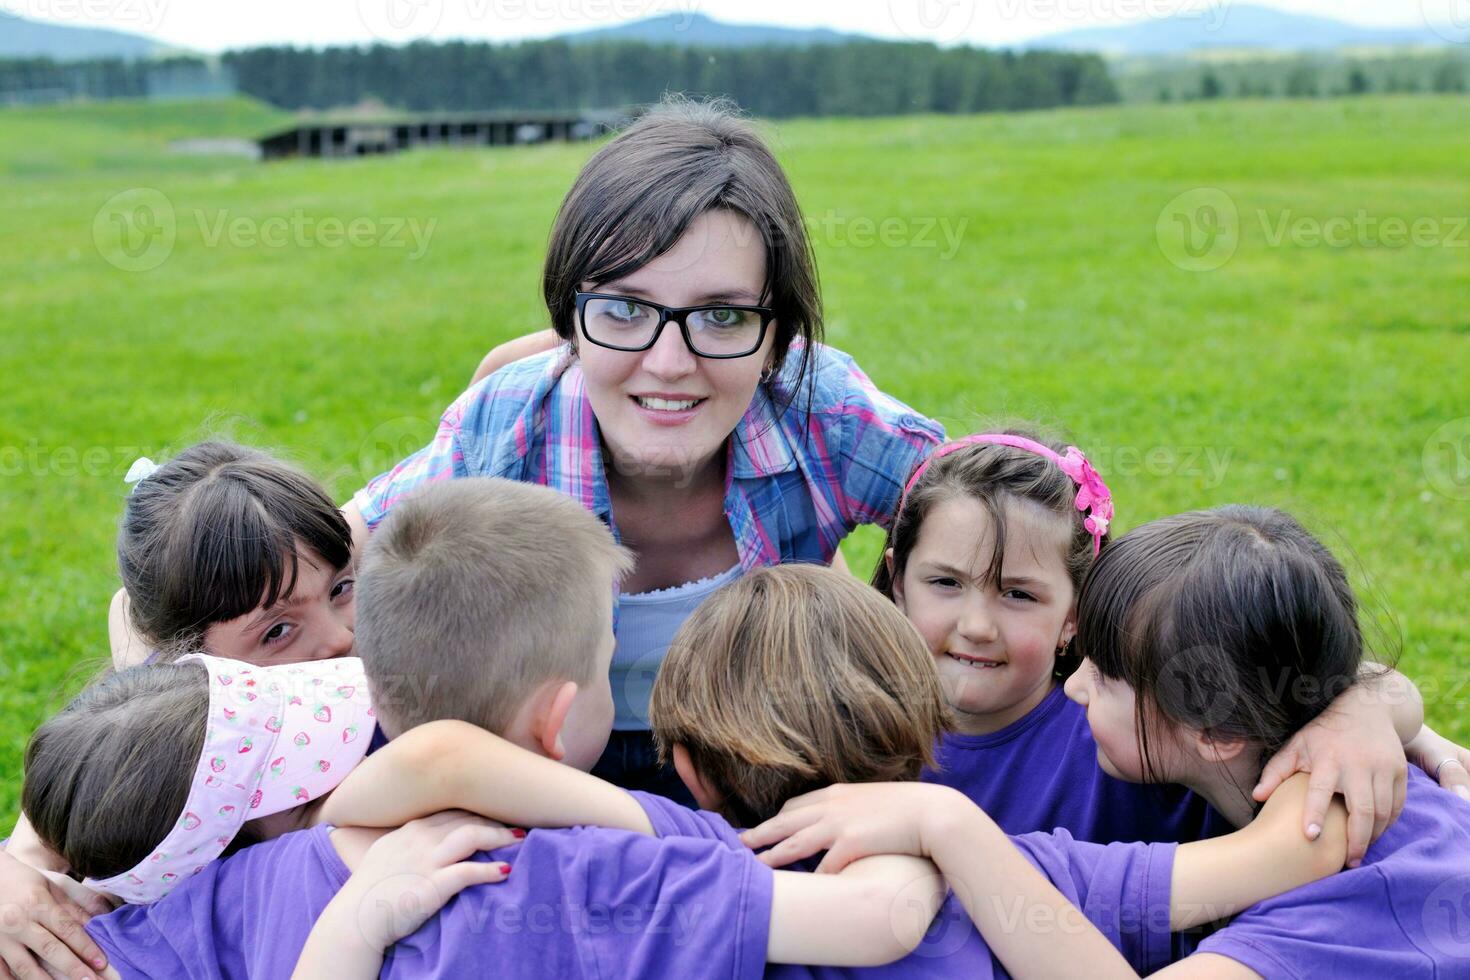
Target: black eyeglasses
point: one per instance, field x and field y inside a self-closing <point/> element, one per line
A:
<point x="628" y="324"/>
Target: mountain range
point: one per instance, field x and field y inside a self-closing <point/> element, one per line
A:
<point x="1216" y="24"/>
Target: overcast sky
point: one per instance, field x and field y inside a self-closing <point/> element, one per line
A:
<point x="214" y="25"/>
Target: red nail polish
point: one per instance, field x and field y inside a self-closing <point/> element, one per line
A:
<point x="517" y="832"/>
<point x="505" y="869"/>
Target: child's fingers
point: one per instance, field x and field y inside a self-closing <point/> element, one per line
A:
<point x="65" y="944"/>
<point x="81" y="897"/>
<point x="469" y="838"/>
<point x="1282" y="766"/>
<point x="1453" y="776"/>
<point x="456" y="878"/>
<point x="802" y="844"/>
<point x="1360" y="804"/>
<point x="1383" y="802"/>
<point x="779" y="827"/>
<point x="836" y="858"/>
<point x="1321" y="787"/>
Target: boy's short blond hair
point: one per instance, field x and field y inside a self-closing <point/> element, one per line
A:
<point x="792" y="678"/>
<point x="473" y="592"/>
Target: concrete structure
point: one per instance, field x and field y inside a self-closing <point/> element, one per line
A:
<point x="365" y="137"/>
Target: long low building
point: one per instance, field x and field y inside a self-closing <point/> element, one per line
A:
<point x="358" y="137"/>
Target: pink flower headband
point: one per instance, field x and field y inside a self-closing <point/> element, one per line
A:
<point x="277" y="737"/>
<point x="1093" y="495"/>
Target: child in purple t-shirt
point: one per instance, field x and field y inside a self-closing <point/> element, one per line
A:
<point x="797" y="676"/>
<point x="1209" y="640"/>
<point x="985" y="556"/>
<point x="147" y="776"/>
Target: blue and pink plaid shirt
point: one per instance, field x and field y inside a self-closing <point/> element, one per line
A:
<point x="795" y="484"/>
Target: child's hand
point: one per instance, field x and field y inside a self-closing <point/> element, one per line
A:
<point x="851" y="821"/>
<point x="408" y="875"/>
<point x="41" y="924"/>
<point x="1442" y="759"/>
<point x="1353" y="749"/>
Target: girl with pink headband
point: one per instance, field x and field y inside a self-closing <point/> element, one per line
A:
<point x="986" y="556"/>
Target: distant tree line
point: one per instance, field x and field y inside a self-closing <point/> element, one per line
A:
<point x="44" y="80"/>
<point x="860" y="78"/>
<point x="1300" y="77"/>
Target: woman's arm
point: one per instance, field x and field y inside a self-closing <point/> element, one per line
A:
<point x="514" y="350"/>
<point x="447" y="765"/>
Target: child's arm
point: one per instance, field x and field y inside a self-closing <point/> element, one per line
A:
<point x="128" y="648"/>
<point x="1444" y="761"/>
<point x="1354" y="748"/>
<point x="447" y="765"/>
<point x="402" y="878"/>
<point x="876" y="911"/>
<point x="42" y="929"/>
<point x="993" y="880"/>
<point x="1215" y="879"/>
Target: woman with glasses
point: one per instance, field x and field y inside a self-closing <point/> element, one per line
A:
<point x="686" y="398"/>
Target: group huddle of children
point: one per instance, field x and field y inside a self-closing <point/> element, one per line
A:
<point x="1013" y="695"/>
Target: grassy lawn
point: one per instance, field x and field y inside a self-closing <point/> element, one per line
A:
<point x="984" y="269"/>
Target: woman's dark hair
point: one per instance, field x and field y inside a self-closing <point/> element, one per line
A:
<point x="214" y="533"/>
<point x="1234" y="622"/>
<point x="638" y="195"/>
<point x="992" y="476"/>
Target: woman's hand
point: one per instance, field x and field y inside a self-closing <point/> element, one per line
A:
<point x="1442" y="760"/>
<point x="851" y="821"/>
<point x="1353" y="749"/>
<point x="41" y="920"/>
<point x="405" y="877"/>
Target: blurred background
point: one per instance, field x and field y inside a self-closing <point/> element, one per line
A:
<point x="1223" y="247"/>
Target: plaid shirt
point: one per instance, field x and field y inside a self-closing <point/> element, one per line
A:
<point x="793" y="489"/>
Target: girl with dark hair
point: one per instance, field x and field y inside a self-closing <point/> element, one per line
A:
<point x="686" y="398"/>
<point x="986" y="556"/>
<point x="1208" y="640"/>
<point x="230" y="550"/>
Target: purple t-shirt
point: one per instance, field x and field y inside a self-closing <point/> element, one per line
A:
<point x="1122" y="888"/>
<point x="1405" y="912"/>
<point x="583" y="902"/>
<point x="1041" y="772"/>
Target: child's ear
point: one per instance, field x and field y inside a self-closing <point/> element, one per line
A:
<point x="897" y="582"/>
<point x="1214" y="749"/>
<point x="703" y="794"/>
<point x="1069" y="628"/>
<point x="551" y="717"/>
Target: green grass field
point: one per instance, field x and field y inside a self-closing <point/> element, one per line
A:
<point x="984" y="269"/>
